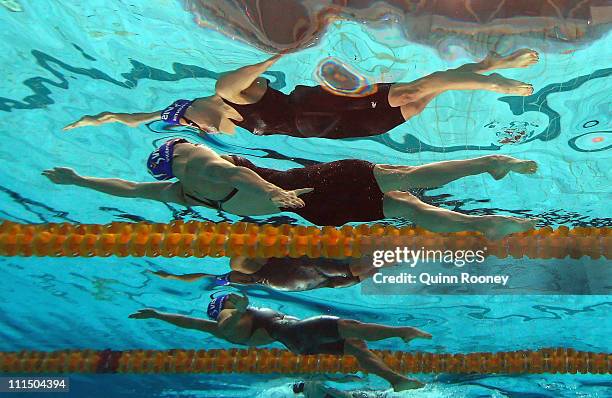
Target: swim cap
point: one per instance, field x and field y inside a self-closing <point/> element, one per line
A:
<point x="298" y="387"/>
<point x="174" y="112"/>
<point x="159" y="163"/>
<point x="222" y="280"/>
<point x="216" y="306"/>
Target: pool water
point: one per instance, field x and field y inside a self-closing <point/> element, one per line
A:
<point x="62" y="60"/>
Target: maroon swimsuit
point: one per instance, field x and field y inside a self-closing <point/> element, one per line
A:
<point x="344" y="190"/>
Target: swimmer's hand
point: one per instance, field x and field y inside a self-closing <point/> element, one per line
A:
<point x="240" y="302"/>
<point x="129" y="119"/>
<point x="161" y="274"/>
<point x="96" y="120"/>
<point x="62" y="175"/>
<point x="289" y="199"/>
<point x="144" y="314"/>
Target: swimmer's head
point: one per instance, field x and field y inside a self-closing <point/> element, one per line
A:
<point x="174" y="115"/>
<point x="216" y="305"/>
<point x="298" y="387"/>
<point x="222" y="280"/>
<point x="159" y="163"/>
<point x="174" y="112"/>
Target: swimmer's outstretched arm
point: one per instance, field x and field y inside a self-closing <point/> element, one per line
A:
<point x="129" y="119"/>
<point x="185" y="322"/>
<point x="160" y="191"/>
<point x="182" y="277"/>
<point x="234" y="86"/>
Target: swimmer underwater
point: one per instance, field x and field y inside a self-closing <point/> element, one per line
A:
<point x="244" y="99"/>
<point x="233" y="320"/>
<point x="319" y="389"/>
<point x="287" y="274"/>
<point x="333" y="193"/>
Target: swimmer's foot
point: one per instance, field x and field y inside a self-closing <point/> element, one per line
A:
<point x="501" y="165"/>
<point x="407" y="384"/>
<point x="522" y="58"/>
<point x="410" y="333"/>
<point x="503" y="85"/>
<point x="496" y="227"/>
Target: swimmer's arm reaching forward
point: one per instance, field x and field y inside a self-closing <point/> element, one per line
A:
<point x="129" y="119"/>
<point x="185" y="322"/>
<point x="227" y="321"/>
<point x="244" y="86"/>
<point x="182" y="277"/>
<point x="160" y="191"/>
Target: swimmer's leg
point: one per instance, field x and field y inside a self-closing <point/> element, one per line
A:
<point x="522" y="58"/>
<point x="402" y="94"/>
<point x="350" y="329"/>
<point x="414" y="96"/>
<point x="371" y="363"/>
<point x="403" y="178"/>
<point x="436" y="219"/>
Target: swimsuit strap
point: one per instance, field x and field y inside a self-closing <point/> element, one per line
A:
<point x="229" y="196"/>
<point x="191" y="123"/>
<point x="215" y="204"/>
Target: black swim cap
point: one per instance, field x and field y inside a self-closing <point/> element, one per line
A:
<point x="298" y="387"/>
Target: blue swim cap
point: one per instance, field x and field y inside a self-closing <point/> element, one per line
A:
<point x="173" y="113"/>
<point x="222" y="280"/>
<point x="216" y="306"/>
<point x="159" y="163"/>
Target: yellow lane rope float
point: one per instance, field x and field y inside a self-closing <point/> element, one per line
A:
<point x="254" y="360"/>
<point x="200" y="239"/>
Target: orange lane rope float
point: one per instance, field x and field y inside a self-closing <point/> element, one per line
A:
<point x="254" y="360"/>
<point x="200" y="239"/>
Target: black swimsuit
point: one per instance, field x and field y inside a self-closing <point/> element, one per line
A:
<point x="312" y="111"/>
<point x="316" y="335"/>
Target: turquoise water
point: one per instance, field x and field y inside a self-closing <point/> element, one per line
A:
<point x="84" y="58"/>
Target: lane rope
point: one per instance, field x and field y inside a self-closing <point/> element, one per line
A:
<point x="260" y="360"/>
<point x="201" y="239"/>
